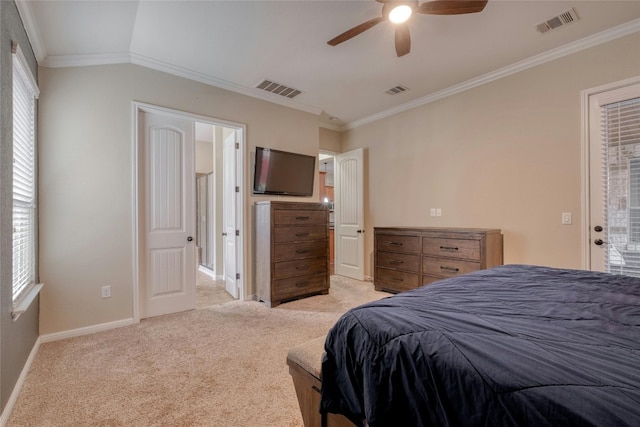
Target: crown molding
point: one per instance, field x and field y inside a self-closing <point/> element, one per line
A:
<point x="331" y="127"/>
<point x="62" y="61"/>
<point x="220" y="83"/>
<point x="28" y="21"/>
<point x="144" y="61"/>
<point x="568" y="49"/>
<point x="55" y="61"/>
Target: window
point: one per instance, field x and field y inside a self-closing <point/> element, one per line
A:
<point x="621" y="134"/>
<point x="634" y="200"/>
<point x="25" y="92"/>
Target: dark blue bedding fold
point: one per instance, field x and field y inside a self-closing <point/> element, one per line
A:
<point x="510" y="346"/>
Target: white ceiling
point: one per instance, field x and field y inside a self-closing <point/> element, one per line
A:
<point x="236" y="44"/>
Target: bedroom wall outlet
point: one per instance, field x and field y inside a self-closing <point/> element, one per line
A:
<point x="433" y="211"/>
<point x="566" y="218"/>
<point x="106" y="292"/>
<point x="438" y="212"/>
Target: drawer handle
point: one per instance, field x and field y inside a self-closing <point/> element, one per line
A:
<point x="302" y="267"/>
<point x="450" y="269"/>
<point x="448" y="248"/>
<point x="302" y="251"/>
<point x="302" y="284"/>
<point x="396" y="243"/>
<point x="302" y="218"/>
<point x="302" y="234"/>
<point x="395" y="262"/>
<point x="397" y="279"/>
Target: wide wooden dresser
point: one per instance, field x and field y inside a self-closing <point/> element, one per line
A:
<point x="408" y="257"/>
<point x="292" y="250"/>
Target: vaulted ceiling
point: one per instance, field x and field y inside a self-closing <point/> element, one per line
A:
<point x="238" y="44"/>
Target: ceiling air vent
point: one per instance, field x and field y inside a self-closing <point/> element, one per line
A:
<point x="396" y="90"/>
<point x="557" y="21"/>
<point x="278" y="89"/>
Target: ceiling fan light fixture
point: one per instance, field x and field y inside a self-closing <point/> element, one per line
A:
<point x="400" y="14"/>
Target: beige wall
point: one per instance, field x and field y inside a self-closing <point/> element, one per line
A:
<point x="86" y="169"/>
<point x="503" y="155"/>
<point x="204" y="157"/>
<point x="330" y="140"/>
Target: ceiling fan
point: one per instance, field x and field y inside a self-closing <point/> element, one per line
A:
<point x="399" y="12"/>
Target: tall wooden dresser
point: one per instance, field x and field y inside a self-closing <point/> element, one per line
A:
<point x="292" y="250"/>
<point x="407" y="257"/>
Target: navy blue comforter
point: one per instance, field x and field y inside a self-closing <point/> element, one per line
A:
<point x="510" y="346"/>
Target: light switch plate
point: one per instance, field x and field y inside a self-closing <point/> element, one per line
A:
<point x="566" y="218"/>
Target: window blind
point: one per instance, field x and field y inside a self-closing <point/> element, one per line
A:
<point x="24" y="184"/>
<point x="621" y="137"/>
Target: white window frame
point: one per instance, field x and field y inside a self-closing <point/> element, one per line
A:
<point x="25" y="93"/>
<point x="634" y="171"/>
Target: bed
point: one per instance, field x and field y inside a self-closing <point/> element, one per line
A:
<point x="514" y="345"/>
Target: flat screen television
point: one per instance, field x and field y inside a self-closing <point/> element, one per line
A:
<point x="282" y="172"/>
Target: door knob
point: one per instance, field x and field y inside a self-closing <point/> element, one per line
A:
<point x="598" y="242"/>
<point x="597" y="228"/>
<point x="189" y="239"/>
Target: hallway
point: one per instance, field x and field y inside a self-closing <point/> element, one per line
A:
<point x="209" y="291"/>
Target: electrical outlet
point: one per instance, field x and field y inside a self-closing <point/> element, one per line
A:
<point x="566" y="218"/>
<point x="438" y="212"/>
<point x="433" y="211"/>
<point x="106" y="292"/>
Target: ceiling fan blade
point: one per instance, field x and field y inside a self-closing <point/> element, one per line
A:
<point x="451" y="7"/>
<point x="355" y="31"/>
<point x="403" y="39"/>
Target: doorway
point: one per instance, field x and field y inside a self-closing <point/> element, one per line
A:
<point x="215" y="151"/>
<point x="345" y="197"/>
<point x="165" y="193"/>
<point x="327" y="196"/>
<point x="612" y="183"/>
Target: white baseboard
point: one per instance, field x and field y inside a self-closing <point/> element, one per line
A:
<point x="6" y="413"/>
<point x="87" y="330"/>
<point x="210" y="273"/>
<point x="207" y="271"/>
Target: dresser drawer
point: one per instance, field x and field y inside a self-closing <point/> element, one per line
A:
<point x="293" y="234"/>
<point x="447" y="267"/>
<point x="290" y="251"/>
<point x="427" y="280"/>
<point x="452" y="248"/>
<point x="295" y="286"/>
<point x="396" y="243"/>
<point x="292" y="217"/>
<point x="396" y="280"/>
<point x="399" y="261"/>
<point x="299" y="267"/>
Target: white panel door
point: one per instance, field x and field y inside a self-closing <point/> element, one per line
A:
<point x="229" y="213"/>
<point x="613" y="243"/>
<point x="349" y="214"/>
<point x="169" y="215"/>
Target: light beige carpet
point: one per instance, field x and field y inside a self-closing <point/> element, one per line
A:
<point x="209" y="291"/>
<point x="220" y="366"/>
